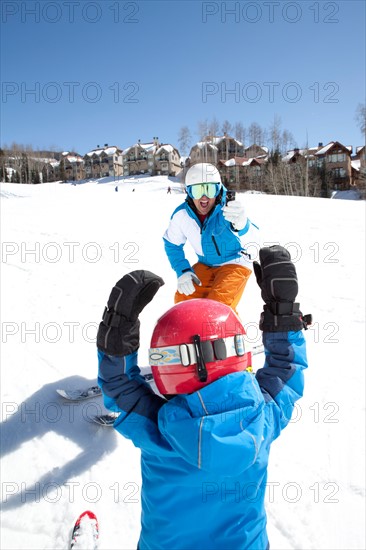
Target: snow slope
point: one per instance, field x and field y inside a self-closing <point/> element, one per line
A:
<point x="63" y="248"/>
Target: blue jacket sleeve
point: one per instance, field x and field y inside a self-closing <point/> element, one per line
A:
<point x="281" y="380"/>
<point x="124" y="389"/>
<point x="176" y="257"/>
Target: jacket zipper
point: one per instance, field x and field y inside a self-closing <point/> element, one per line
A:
<point x="215" y="243"/>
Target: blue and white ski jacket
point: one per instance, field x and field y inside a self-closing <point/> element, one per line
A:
<point x="204" y="456"/>
<point x="214" y="241"/>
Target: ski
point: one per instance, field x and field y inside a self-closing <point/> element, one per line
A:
<point x="87" y="393"/>
<point x="104" y="419"/>
<point x="85" y="533"/>
<point x="80" y="395"/>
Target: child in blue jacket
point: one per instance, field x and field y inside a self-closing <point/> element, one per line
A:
<point x="205" y="439"/>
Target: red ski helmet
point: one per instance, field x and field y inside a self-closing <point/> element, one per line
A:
<point x="194" y="343"/>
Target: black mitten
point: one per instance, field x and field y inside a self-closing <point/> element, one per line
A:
<point x="276" y="276"/>
<point x="119" y="331"/>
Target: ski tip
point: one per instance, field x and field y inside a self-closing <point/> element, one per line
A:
<point x="62" y="393"/>
<point x="87" y="513"/>
<point x="85" y="533"/>
<point x="105" y="419"/>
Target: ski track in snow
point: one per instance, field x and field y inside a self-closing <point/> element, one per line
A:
<point x="64" y="247"/>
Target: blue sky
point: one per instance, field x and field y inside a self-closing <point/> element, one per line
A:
<point x="77" y="74"/>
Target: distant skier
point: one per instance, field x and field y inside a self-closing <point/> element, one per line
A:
<point x="219" y="234"/>
<point x="116" y="189"/>
<point x="205" y="444"/>
<point x="169" y="190"/>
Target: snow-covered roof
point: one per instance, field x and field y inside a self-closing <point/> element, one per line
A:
<point x="218" y="139"/>
<point x="110" y="150"/>
<point x="248" y="162"/>
<point x="259" y="146"/>
<point x="72" y="155"/>
<point x="203" y="144"/>
<point x="107" y="150"/>
<point x="310" y="150"/>
<point x="289" y="155"/>
<point x="230" y="162"/>
<point x="167" y="147"/>
<point x="326" y="148"/>
<point x="356" y="164"/>
<point x="73" y="159"/>
<point x="147" y="146"/>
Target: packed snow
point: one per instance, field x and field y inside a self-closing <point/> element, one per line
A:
<point x="63" y="248"/>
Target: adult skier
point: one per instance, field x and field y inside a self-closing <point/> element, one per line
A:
<point x="205" y="440"/>
<point x="219" y="232"/>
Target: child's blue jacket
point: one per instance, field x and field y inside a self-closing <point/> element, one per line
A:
<point x="204" y="456"/>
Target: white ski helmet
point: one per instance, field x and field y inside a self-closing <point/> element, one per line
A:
<point x="202" y="173"/>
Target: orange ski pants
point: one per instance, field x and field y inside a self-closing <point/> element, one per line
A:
<point x="225" y="284"/>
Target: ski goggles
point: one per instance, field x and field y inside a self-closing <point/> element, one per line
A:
<point x="199" y="353"/>
<point x="198" y="190"/>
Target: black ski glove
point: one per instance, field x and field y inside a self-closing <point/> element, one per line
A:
<point x="119" y="331"/>
<point x="276" y="276"/>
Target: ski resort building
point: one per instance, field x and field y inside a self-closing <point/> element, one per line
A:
<point x="152" y="158"/>
<point x="103" y="162"/>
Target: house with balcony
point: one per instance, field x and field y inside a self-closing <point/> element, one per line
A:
<point x="203" y="151"/>
<point x="358" y="164"/>
<point x="239" y="173"/>
<point x="214" y="149"/>
<point x="153" y="158"/>
<point x="73" y="165"/>
<point x="139" y="158"/>
<point x="167" y="160"/>
<point x="334" y="162"/>
<point x="228" y="147"/>
<point x="103" y="162"/>
<point x="331" y="163"/>
<point x="256" y="151"/>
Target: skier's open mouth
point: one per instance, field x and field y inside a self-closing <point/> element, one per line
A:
<point x="204" y="204"/>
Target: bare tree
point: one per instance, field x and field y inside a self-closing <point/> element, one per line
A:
<point x="184" y="139"/>
<point x="202" y="129"/>
<point x="255" y="134"/>
<point x="240" y="132"/>
<point x="227" y="127"/>
<point x="360" y="117"/>
<point x="213" y="127"/>
<point x="275" y="134"/>
<point x="287" y="141"/>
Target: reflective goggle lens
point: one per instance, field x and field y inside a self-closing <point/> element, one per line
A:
<point x="198" y="190"/>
